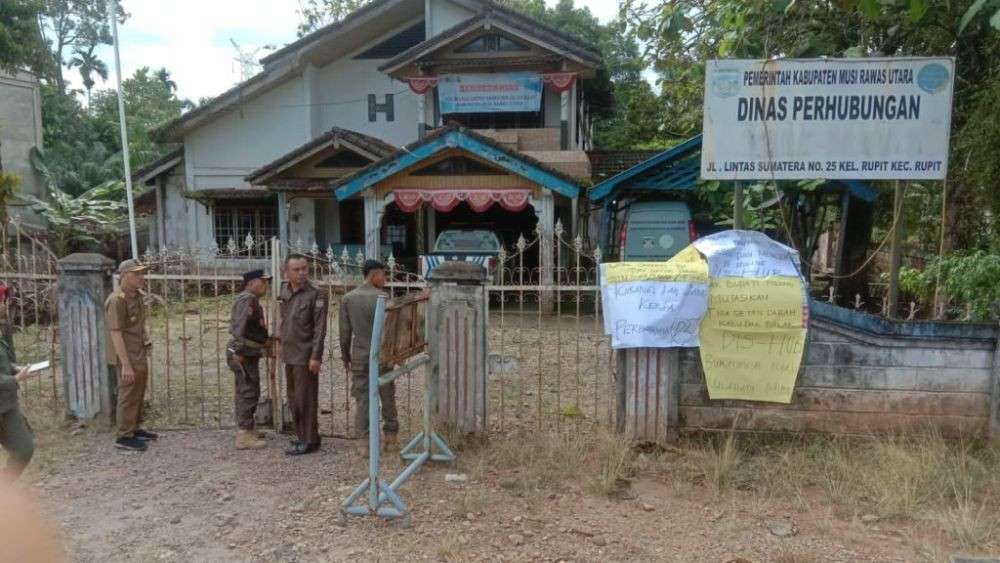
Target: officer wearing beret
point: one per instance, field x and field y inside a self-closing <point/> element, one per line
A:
<point x="125" y="314"/>
<point x="248" y="331"/>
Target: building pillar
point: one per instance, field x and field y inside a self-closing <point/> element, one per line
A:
<point x="564" y="106"/>
<point x="431" y="228"/>
<point x="85" y="281"/>
<point x="545" y="210"/>
<point x="374" y="211"/>
<point x="283" y="229"/>
<point x="421" y="115"/>
<point x="456" y="325"/>
<point x="313" y="108"/>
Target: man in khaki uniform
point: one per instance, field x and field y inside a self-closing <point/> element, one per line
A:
<point x="15" y="434"/>
<point x="357" y="319"/>
<point x="246" y="346"/>
<point x="303" y="330"/>
<point x="125" y="315"/>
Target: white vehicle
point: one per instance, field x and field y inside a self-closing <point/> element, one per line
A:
<point x="481" y="247"/>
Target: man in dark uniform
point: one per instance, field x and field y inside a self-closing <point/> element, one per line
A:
<point x="248" y="331"/>
<point x="303" y="330"/>
<point x="15" y="434"/>
<point x="125" y="315"/>
<point x="357" y="318"/>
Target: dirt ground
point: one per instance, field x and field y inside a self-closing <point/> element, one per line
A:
<point x="191" y="497"/>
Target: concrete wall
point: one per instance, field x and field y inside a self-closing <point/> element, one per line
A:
<point x="343" y="96"/>
<point x="443" y="14"/>
<point x="860" y="375"/>
<point x="222" y="152"/>
<point x="20" y="131"/>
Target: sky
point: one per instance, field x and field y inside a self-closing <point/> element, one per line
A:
<point x="192" y="38"/>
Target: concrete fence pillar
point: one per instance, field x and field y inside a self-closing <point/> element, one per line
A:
<point x="647" y="385"/>
<point x="85" y="281"/>
<point x="456" y="337"/>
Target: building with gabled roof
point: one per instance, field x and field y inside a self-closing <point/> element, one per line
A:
<point x="321" y="147"/>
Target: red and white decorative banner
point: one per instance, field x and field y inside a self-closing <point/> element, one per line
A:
<point x="559" y="81"/>
<point x="421" y="84"/>
<point x="410" y="200"/>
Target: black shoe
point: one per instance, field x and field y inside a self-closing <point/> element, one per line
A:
<point x="302" y="449"/>
<point x="145" y="435"/>
<point x="131" y="444"/>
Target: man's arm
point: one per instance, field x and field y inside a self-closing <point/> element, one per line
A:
<point x="345" y="333"/>
<point x="115" y="323"/>
<point x="320" y="308"/>
<point x="242" y="309"/>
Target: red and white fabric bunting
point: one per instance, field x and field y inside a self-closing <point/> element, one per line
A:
<point x="559" y="81"/>
<point x="410" y="200"/>
<point x="421" y="84"/>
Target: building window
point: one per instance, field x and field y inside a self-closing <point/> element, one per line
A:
<point x="491" y="43"/>
<point x="236" y="221"/>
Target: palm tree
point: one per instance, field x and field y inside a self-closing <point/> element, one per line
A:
<point x="89" y="64"/>
<point x="163" y="75"/>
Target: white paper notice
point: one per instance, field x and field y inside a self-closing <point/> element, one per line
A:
<point x="747" y="254"/>
<point x="654" y="314"/>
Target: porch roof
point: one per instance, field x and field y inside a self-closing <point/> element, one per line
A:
<point x="365" y="145"/>
<point x="451" y="137"/>
<point x="679" y="168"/>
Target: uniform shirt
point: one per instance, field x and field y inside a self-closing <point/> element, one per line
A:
<point x="127" y="314"/>
<point x="247" y="327"/>
<point x="357" y="317"/>
<point x="8" y="384"/>
<point x="303" y="324"/>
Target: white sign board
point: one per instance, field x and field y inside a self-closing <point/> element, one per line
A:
<point x="848" y="119"/>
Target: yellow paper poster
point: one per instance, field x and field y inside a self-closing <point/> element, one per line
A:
<point x="752" y="338"/>
<point x="686" y="266"/>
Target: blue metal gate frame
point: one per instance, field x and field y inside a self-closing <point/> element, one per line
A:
<point x="383" y="499"/>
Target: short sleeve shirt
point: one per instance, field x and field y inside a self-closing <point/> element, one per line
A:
<point x="127" y="314"/>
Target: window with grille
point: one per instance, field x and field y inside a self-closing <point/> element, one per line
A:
<point x="235" y="222"/>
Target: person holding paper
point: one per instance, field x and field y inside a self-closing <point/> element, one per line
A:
<point x="125" y="314"/>
<point x="15" y="433"/>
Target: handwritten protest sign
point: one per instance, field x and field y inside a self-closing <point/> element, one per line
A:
<point x="747" y="254"/>
<point x="752" y="338"/>
<point x="655" y="304"/>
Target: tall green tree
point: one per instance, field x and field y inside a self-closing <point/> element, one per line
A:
<point x="73" y="26"/>
<point x="149" y="101"/>
<point x="89" y="65"/>
<point x="679" y="35"/>
<point x="21" y="44"/>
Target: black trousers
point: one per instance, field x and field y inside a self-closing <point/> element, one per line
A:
<point x="303" y="399"/>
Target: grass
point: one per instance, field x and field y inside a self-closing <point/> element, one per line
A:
<point x="925" y="478"/>
<point x="600" y="462"/>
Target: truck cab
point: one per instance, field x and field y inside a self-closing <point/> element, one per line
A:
<point x="655" y="230"/>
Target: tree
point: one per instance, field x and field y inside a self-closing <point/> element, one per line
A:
<point x="84" y="222"/>
<point x="21" y="44"/>
<point x="149" y="101"/>
<point x="88" y="63"/>
<point x="74" y="26"/>
<point x="679" y="35"/>
<point x="163" y="75"/>
<point x="319" y="13"/>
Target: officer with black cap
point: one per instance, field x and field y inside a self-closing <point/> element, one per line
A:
<point x="248" y="329"/>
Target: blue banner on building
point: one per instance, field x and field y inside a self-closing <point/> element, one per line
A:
<point x="489" y="93"/>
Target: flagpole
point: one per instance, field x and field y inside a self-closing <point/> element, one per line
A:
<point x="113" y="14"/>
